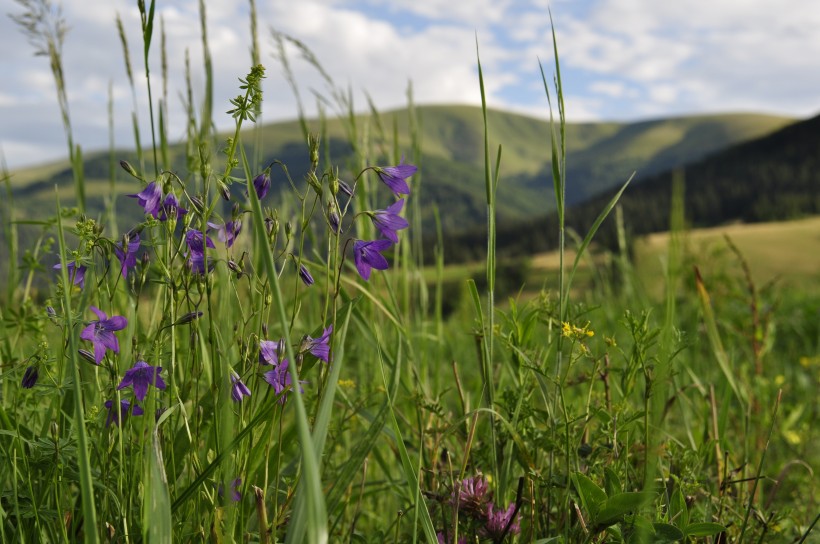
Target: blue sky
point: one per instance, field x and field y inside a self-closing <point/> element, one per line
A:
<point x="621" y="60"/>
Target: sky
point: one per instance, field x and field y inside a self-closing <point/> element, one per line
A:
<point x="622" y="60"/>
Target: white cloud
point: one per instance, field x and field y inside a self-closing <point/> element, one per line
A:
<point x="615" y="89"/>
<point x="472" y="14"/>
<point x="619" y="58"/>
<point x="663" y="93"/>
<point x="736" y="55"/>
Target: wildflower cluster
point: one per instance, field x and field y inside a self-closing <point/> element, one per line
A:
<point x="478" y="515"/>
<point x="188" y="257"/>
<point x="575" y="332"/>
<point x="161" y="204"/>
<point x="367" y="254"/>
<point x="579" y="335"/>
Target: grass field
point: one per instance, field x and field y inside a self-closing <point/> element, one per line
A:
<point x="787" y="253"/>
<point x="238" y="368"/>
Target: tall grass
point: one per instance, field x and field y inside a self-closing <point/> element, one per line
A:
<point x="45" y="28"/>
<point x="577" y="412"/>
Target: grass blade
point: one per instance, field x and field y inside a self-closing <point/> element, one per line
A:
<point x="592" y="230"/>
<point x="314" y="516"/>
<point x="83" y="451"/>
<point x="407" y="466"/>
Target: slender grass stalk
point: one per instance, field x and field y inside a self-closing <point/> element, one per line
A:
<point x="759" y="473"/>
<point x="715" y="339"/>
<point x="147" y="20"/>
<point x="410" y="473"/>
<point x="83" y="457"/>
<point x="256" y="60"/>
<point x="490" y="186"/>
<point x="46" y="30"/>
<point x="312" y="520"/>
<point x="163" y="103"/>
<point x="11" y="235"/>
<point x="112" y="164"/>
<point x="130" y="73"/>
<point x="558" y="162"/>
<point x="206" y="119"/>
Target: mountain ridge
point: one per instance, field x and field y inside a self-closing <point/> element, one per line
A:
<point x="599" y="157"/>
<point x="770" y="178"/>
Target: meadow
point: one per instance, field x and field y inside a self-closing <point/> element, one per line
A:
<point x="236" y="366"/>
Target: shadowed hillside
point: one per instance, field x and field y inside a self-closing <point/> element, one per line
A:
<point x="775" y="177"/>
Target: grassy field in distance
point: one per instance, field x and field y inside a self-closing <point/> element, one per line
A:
<point x="785" y="252"/>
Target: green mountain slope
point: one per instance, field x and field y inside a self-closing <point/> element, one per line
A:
<point x="771" y="178"/>
<point x="600" y="156"/>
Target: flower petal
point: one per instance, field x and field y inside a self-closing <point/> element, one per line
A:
<point x="116" y="323"/>
<point x="100" y="314"/>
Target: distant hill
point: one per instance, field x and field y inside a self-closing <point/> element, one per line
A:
<point x="774" y="177"/>
<point x="600" y="156"/>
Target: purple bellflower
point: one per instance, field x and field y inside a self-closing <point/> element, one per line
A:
<point x="87" y="355"/>
<point x="76" y="273"/>
<point x="236" y="496"/>
<point x="149" y="198"/>
<point x="271" y="352"/>
<point x="238" y="388"/>
<point x="279" y="378"/>
<point x="196" y="250"/>
<point x="195" y="238"/>
<point x="345" y="188"/>
<point x="128" y="256"/>
<point x="196" y="262"/>
<point x="140" y="376"/>
<point x="304" y="274"/>
<point x="395" y="177"/>
<point x="101" y="333"/>
<point x="114" y="417"/>
<point x="228" y="232"/>
<point x="170" y="206"/>
<point x="319" y="347"/>
<point x="388" y="221"/>
<point x="367" y="255"/>
<point x="30" y="377"/>
<point x="261" y="184"/>
<point x="335" y="222"/>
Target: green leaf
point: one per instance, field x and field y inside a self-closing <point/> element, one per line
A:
<point x="638" y="529"/>
<point x="667" y="533"/>
<point x="157" y="511"/>
<point x="594" y="229"/>
<point x="703" y="529"/>
<point x="621" y="504"/>
<point x="710" y="322"/>
<point x="611" y="482"/>
<point x="678" y="512"/>
<point x="592" y="496"/>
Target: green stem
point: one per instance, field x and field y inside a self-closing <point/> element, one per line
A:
<point x="83" y="453"/>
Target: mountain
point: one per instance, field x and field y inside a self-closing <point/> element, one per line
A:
<point x="599" y="156"/>
<point x="773" y="177"/>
